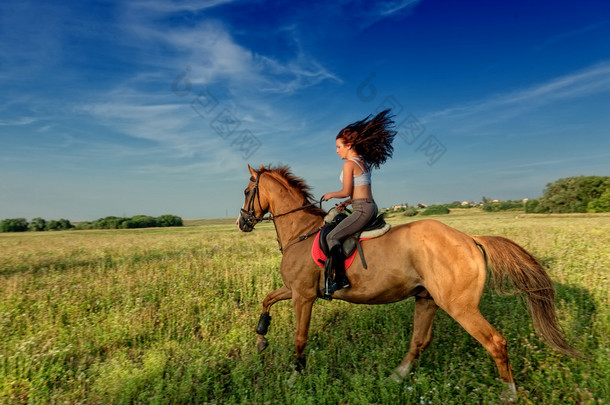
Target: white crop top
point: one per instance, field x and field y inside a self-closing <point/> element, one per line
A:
<point x="361" y="179"/>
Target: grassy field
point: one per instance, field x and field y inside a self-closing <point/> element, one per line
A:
<point x="168" y="316"/>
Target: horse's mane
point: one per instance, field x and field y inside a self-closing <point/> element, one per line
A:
<point x="297" y="183"/>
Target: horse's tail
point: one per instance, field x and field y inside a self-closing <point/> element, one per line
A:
<point x="509" y="261"/>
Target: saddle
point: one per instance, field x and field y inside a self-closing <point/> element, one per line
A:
<point x="375" y="227"/>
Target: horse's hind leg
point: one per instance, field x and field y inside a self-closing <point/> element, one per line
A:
<point x="425" y="309"/>
<point x="495" y="344"/>
<point x="263" y="323"/>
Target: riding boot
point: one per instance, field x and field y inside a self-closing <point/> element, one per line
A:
<point x="338" y="263"/>
<point x="334" y="270"/>
<point x="329" y="284"/>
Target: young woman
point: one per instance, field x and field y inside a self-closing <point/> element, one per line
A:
<point x="363" y="145"/>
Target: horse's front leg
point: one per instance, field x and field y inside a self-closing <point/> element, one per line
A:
<point x="302" y="309"/>
<point x="280" y="294"/>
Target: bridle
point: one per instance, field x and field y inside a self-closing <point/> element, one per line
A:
<point x="250" y="218"/>
<point x="249" y="215"/>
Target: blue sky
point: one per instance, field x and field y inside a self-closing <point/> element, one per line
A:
<point x="154" y="107"/>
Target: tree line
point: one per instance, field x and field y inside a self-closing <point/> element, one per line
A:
<point x="569" y="195"/>
<point x="573" y="194"/>
<point x="111" y="222"/>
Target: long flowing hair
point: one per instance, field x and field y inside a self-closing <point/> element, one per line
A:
<point x="371" y="137"/>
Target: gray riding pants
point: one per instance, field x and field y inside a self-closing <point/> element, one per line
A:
<point x="364" y="209"/>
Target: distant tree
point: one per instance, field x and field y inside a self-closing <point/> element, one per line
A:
<point x="411" y="212"/>
<point x="601" y="204"/>
<point x="84" y="225"/>
<point x="513" y="205"/>
<point x="14" y="225"/>
<point x="37" y="224"/>
<point x="491" y="206"/>
<point x="139" y="221"/>
<point x="65" y="224"/>
<point x="436" y="210"/>
<point x="531" y="206"/>
<point x="52" y="225"/>
<point x="169" y="220"/>
<point x="109" y="222"/>
<point x="572" y="194"/>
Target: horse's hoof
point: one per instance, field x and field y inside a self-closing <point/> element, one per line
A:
<point x="395" y="378"/>
<point x="261" y="346"/>
<point x="509" y="395"/>
<point x="291" y="382"/>
<point x="299" y="364"/>
<point x="261" y="343"/>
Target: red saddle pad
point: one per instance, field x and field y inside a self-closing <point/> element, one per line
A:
<point x="317" y="254"/>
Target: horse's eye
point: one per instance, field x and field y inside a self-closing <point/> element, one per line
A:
<point x="246" y="192"/>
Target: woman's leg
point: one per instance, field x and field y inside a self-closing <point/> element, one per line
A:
<point x="364" y="211"/>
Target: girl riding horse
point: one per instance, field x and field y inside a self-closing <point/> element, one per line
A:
<point x="363" y="144"/>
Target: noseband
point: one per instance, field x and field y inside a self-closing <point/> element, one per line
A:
<point x="249" y="215"/>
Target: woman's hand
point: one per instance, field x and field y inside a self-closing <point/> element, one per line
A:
<point x="343" y="205"/>
<point x="327" y="196"/>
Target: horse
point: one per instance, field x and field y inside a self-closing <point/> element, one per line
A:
<point x="438" y="265"/>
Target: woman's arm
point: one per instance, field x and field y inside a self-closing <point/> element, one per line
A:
<point x="348" y="183"/>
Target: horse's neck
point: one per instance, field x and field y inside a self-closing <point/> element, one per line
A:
<point x="290" y="227"/>
<point x="284" y="199"/>
<point x="295" y="224"/>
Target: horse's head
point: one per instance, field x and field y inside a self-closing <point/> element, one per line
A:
<point x="255" y="205"/>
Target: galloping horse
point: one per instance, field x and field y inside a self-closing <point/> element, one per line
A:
<point x="438" y="265"/>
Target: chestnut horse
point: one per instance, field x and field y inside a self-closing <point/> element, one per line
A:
<point x="438" y="265"/>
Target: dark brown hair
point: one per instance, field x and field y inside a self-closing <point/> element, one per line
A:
<point x="371" y="138"/>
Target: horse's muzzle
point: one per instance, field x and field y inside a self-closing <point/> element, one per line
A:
<point x="245" y="222"/>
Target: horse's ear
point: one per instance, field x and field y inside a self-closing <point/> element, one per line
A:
<point x="252" y="171"/>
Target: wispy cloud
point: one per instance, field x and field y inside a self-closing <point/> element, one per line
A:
<point x="350" y="16"/>
<point x="163" y="6"/>
<point x="150" y="122"/>
<point x="593" y="80"/>
<point x="242" y="81"/>
<point x="18" y="122"/>
<point x="387" y="8"/>
<point x="557" y="38"/>
<point x="214" y="55"/>
<point x="585" y="158"/>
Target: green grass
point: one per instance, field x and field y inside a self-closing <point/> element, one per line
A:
<point x="168" y="316"/>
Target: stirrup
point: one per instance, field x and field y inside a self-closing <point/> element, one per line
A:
<point x="332" y="286"/>
<point x="329" y="288"/>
